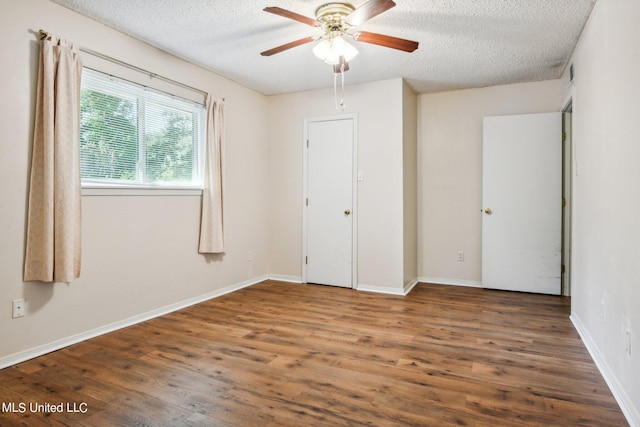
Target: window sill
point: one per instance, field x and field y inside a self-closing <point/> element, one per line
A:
<point x="92" y="190"/>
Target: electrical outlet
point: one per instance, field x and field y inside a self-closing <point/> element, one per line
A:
<point x="461" y="256"/>
<point x="627" y="342"/>
<point x="18" y="308"/>
<point x="249" y="256"/>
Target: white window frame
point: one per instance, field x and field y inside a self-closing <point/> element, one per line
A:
<point x="139" y="186"/>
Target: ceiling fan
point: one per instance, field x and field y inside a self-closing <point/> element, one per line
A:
<point x="339" y="20"/>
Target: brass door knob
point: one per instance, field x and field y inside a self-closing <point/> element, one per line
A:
<point x="347" y="211"/>
<point x="488" y="211"/>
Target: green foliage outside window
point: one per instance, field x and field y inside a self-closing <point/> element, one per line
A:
<point x="169" y="152"/>
<point x="108" y="136"/>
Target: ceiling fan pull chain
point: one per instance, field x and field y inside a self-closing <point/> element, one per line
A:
<point x="339" y="105"/>
<point x="335" y="91"/>
<point x="342" y="94"/>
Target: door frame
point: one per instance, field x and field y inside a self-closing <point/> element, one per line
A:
<point x="354" y="192"/>
<point x="567" y="192"/>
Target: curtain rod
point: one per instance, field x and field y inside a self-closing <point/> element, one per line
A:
<point x="152" y="75"/>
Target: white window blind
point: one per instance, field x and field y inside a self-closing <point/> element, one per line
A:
<point x="131" y="135"/>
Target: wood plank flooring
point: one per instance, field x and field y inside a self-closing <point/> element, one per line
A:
<point x="280" y="354"/>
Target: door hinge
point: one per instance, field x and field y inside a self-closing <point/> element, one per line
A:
<point x="563" y="268"/>
<point x="564" y="202"/>
<point x="307" y="143"/>
<point x="306" y="260"/>
<point x="564" y="136"/>
<point x="307" y="202"/>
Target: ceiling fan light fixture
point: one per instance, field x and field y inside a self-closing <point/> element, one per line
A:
<point x="337" y="21"/>
<point x="331" y="49"/>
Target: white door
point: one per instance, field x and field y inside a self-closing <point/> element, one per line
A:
<point x="522" y="203"/>
<point x="329" y="202"/>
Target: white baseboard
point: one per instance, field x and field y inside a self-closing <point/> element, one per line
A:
<point x="379" y="289"/>
<point x="629" y="409"/>
<point x="366" y="288"/>
<point x="284" y="278"/>
<point x="388" y="290"/>
<point x="22" y="356"/>
<point x="409" y="286"/>
<point x="451" y="282"/>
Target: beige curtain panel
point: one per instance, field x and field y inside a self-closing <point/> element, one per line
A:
<point x="211" y="221"/>
<point x="54" y="212"/>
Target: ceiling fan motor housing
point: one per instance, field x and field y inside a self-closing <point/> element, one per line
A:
<point x="332" y="15"/>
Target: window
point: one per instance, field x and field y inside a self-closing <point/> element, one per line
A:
<point x="134" y="136"/>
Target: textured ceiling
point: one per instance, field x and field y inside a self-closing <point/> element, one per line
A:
<point x="463" y="43"/>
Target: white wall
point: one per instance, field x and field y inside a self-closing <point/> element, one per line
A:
<point x="606" y="205"/>
<point x="450" y="172"/>
<point x="139" y="252"/>
<point x="379" y="107"/>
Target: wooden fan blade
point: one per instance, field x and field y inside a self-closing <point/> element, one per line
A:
<point x="287" y="46"/>
<point x="368" y="10"/>
<point x="292" y="15"/>
<point x="387" y="41"/>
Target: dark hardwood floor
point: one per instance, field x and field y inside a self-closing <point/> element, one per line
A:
<point x="279" y="354"/>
